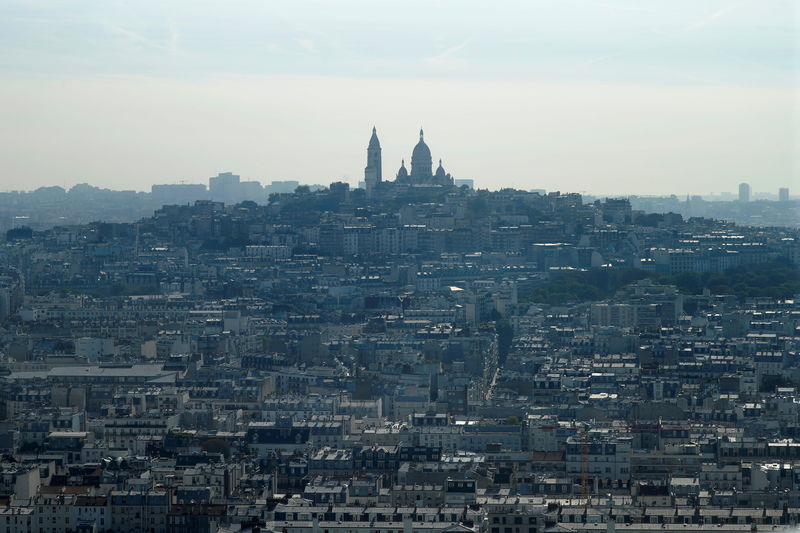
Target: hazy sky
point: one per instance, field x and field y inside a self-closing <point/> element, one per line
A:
<point x="602" y="96"/>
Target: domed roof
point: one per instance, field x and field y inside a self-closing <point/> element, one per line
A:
<point x="440" y="171"/>
<point x="421" y="151"/>
<point x="402" y="173"/>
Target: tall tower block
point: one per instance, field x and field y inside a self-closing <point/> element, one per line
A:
<point x="744" y="192"/>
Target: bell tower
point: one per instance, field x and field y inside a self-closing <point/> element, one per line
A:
<point x="373" y="173"/>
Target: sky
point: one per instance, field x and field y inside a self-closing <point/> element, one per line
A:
<point x="596" y="96"/>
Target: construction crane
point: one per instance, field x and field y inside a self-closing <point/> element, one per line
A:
<point x="585" y="467"/>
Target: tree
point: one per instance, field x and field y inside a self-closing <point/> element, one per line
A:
<point x="302" y="189"/>
<point x="29" y="447"/>
<point x="770" y="383"/>
<point x="217" y="446"/>
<point x="23" y="232"/>
<point x="477" y="207"/>
<point x="505" y="337"/>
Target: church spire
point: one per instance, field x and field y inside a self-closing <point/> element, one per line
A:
<point x="420" y="134"/>
<point x="373" y="140"/>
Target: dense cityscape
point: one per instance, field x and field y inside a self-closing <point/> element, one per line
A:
<point x="409" y="355"/>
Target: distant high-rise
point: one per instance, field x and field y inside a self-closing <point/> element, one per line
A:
<point x="282" y="187"/>
<point x="744" y="192"/>
<point x="783" y="194"/>
<point x="179" y="193"/>
<point x="373" y="173"/>
<point x="228" y="188"/>
<point x="223" y="187"/>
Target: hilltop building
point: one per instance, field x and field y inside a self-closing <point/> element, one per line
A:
<point x="421" y="173"/>
<point x="373" y="173"/>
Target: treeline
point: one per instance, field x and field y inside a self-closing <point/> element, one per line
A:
<point x="99" y="290"/>
<point x="583" y="286"/>
<point x="776" y="279"/>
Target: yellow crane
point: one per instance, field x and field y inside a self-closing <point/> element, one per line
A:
<point x="585" y="467"/>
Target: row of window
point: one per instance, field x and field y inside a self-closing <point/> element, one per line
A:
<point x="515" y="530"/>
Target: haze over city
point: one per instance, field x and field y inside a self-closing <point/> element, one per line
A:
<point x="603" y="97"/>
<point x="380" y="266"/>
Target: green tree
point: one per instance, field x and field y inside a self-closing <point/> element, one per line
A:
<point x="217" y="446"/>
<point x="505" y="337"/>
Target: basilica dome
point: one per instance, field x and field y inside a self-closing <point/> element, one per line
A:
<point x="421" y="161"/>
<point x="440" y="173"/>
<point x="421" y="151"/>
<point x="402" y="174"/>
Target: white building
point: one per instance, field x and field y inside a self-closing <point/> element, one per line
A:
<point x="94" y="348"/>
<point x="608" y="457"/>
